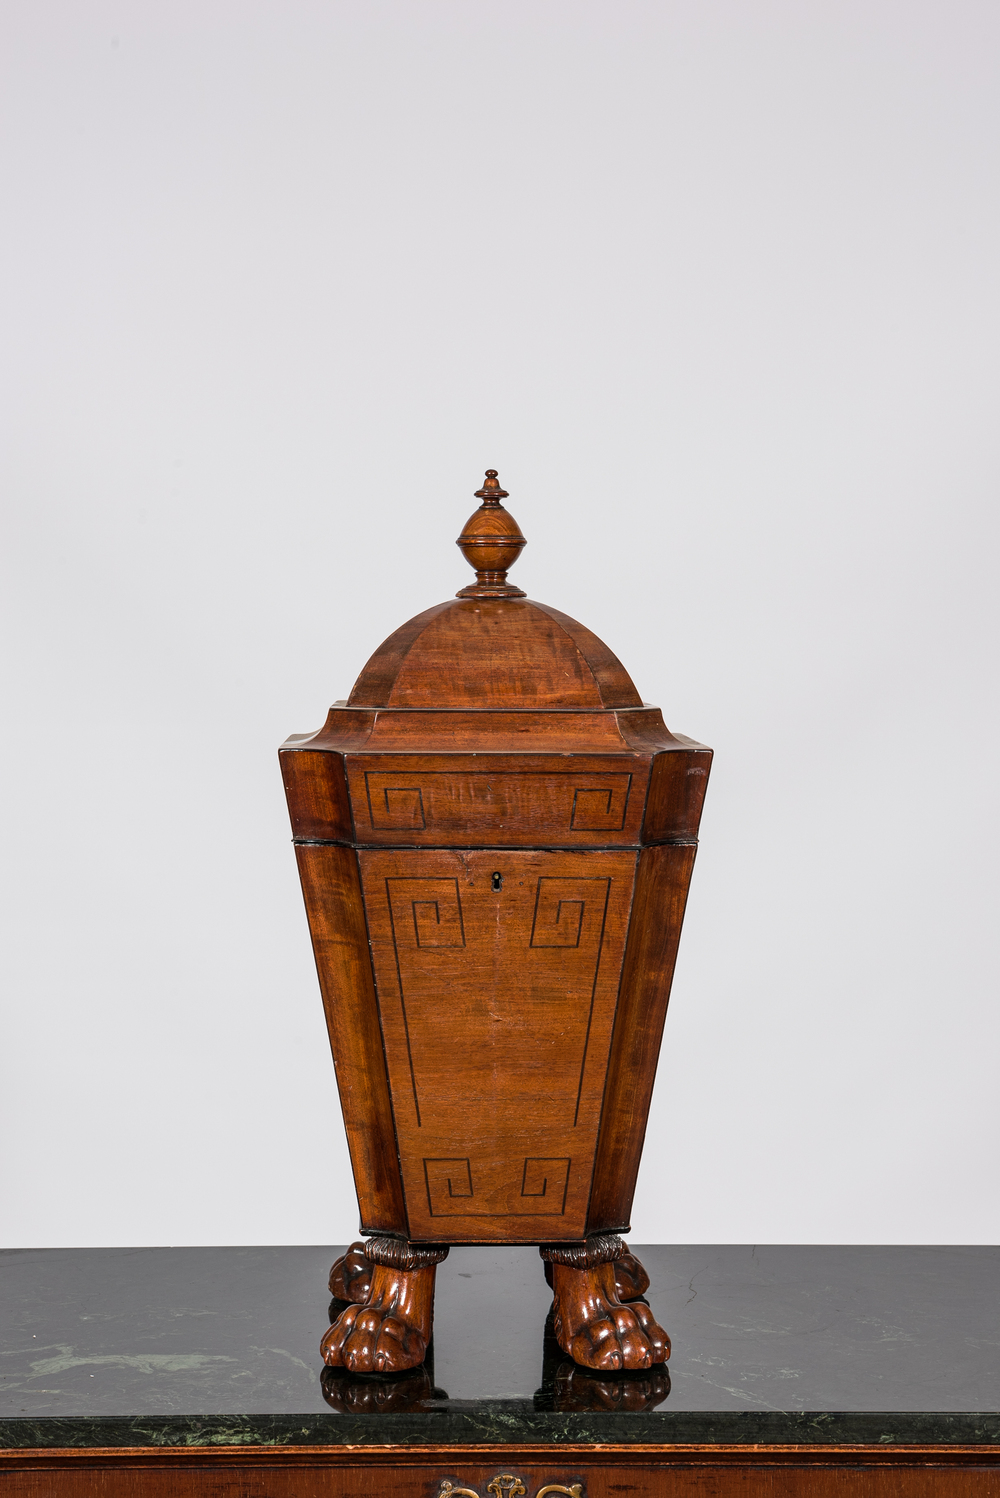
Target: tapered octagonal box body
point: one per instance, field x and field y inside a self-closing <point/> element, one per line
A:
<point x="495" y="837"/>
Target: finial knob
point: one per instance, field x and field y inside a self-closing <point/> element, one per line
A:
<point x="491" y="541"/>
<point x="491" y="492"/>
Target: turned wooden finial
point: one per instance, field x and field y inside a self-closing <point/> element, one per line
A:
<point x="491" y="492"/>
<point x="491" y="541"/>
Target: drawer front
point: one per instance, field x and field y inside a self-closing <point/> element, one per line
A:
<point x="411" y="804"/>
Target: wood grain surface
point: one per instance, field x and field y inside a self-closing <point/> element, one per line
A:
<point x="497" y="975"/>
<point x="607" y="1472"/>
<point x="331" y="886"/>
<point x="435" y="800"/>
<point x="664" y="875"/>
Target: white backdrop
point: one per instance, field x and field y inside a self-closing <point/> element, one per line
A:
<point x="714" y="284"/>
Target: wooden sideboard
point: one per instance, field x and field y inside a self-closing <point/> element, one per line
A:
<point x="451" y="1472"/>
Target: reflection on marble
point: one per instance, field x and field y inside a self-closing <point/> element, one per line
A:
<point x="580" y="1389"/>
<point x="381" y="1393"/>
<point x="566" y="1387"/>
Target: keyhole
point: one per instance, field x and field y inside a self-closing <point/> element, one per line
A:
<point x="498" y="881"/>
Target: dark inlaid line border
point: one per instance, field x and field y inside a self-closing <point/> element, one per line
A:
<point x="402" y="1002"/>
<point x="593" y="998"/>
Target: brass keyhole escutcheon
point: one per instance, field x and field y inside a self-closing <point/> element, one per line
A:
<point x="498" y="881"/>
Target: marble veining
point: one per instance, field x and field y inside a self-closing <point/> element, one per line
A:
<point x="177" y="1347"/>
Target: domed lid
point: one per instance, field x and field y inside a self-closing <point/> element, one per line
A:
<point x="491" y="647"/>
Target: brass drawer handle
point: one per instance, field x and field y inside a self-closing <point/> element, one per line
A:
<point x="506" y="1485"/>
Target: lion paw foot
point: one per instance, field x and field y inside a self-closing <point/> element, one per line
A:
<point x="631" y="1280"/>
<point x="372" y="1341"/>
<point x="390" y="1332"/>
<point x="351" y="1275"/>
<point x="593" y="1326"/>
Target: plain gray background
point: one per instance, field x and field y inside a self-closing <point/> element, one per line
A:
<point x="714" y="285"/>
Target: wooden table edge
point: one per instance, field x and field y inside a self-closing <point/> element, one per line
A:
<point x="680" y="1454"/>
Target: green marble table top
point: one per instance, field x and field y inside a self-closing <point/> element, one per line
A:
<point x="195" y="1346"/>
